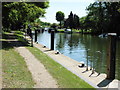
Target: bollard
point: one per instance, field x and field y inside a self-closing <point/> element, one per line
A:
<point x="52" y="39"/>
<point x="87" y="60"/>
<point x="31" y="42"/>
<point x="35" y="35"/>
<point x="31" y="37"/>
<point x="111" y="56"/>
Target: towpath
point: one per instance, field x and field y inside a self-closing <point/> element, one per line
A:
<point x="40" y="75"/>
<point x="96" y="80"/>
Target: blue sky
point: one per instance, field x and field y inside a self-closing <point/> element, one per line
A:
<point x="76" y="6"/>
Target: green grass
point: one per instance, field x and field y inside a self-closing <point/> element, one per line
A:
<point x="19" y="32"/>
<point x="65" y="78"/>
<point x="5" y="32"/>
<point x="60" y="30"/>
<point x="14" y="70"/>
<point x="76" y="30"/>
<point x="20" y="36"/>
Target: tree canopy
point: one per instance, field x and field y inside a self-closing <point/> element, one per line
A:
<point x="16" y="14"/>
<point x="72" y="21"/>
<point x="103" y="17"/>
<point x="60" y="17"/>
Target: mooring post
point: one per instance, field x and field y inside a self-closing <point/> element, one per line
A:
<point x="111" y="56"/>
<point x="52" y="39"/>
<point x="31" y="40"/>
<point x="35" y="35"/>
<point x="87" y="60"/>
<point x="31" y="37"/>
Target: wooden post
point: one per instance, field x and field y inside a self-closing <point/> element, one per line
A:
<point x="111" y="56"/>
<point x="87" y="60"/>
<point x="35" y="35"/>
<point x="31" y="42"/>
<point x="52" y="39"/>
<point x="31" y="37"/>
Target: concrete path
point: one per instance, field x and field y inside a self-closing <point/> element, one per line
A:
<point x="97" y="81"/>
<point x="40" y="75"/>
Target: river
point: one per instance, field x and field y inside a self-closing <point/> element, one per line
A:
<point x="83" y="47"/>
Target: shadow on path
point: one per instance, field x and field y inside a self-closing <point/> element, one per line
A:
<point x="104" y="83"/>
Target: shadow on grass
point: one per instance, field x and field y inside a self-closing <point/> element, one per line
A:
<point x="8" y="36"/>
<point x="6" y="45"/>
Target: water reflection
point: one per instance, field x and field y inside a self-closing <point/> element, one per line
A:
<point x="82" y="47"/>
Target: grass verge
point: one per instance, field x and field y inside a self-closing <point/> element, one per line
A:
<point x="65" y="78"/>
<point x="15" y="73"/>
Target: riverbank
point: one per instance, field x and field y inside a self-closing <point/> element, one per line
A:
<point x="95" y="79"/>
<point x="72" y="65"/>
<point x="74" y="31"/>
<point x="66" y="78"/>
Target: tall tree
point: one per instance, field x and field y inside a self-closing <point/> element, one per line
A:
<point x="60" y="17"/>
<point x="16" y="14"/>
<point x="76" y="22"/>
<point x="71" y="20"/>
<point x="104" y="17"/>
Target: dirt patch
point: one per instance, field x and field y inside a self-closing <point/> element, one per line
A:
<point x="40" y="75"/>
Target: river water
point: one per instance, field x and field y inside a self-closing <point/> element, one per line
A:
<point x="82" y="48"/>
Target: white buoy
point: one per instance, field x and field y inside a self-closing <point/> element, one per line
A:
<point x="81" y="64"/>
<point x="44" y="46"/>
<point x="57" y="52"/>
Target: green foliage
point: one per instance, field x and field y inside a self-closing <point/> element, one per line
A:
<point x="54" y="25"/>
<point x="17" y="14"/>
<point x="72" y="21"/>
<point x="60" y="17"/>
<point x="103" y="17"/>
<point x="76" y="21"/>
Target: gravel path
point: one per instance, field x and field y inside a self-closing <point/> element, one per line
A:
<point x="40" y="75"/>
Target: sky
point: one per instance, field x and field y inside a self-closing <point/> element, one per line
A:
<point x="66" y="6"/>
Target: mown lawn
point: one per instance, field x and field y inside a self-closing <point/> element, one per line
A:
<point x="15" y="73"/>
<point x="65" y="78"/>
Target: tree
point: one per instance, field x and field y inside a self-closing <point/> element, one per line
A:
<point x="71" y="20"/>
<point x="104" y="17"/>
<point x="76" y="22"/>
<point x="60" y="17"/>
<point x="66" y="23"/>
<point x="16" y="14"/>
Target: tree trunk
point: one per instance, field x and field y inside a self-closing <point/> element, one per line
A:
<point x="60" y="24"/>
